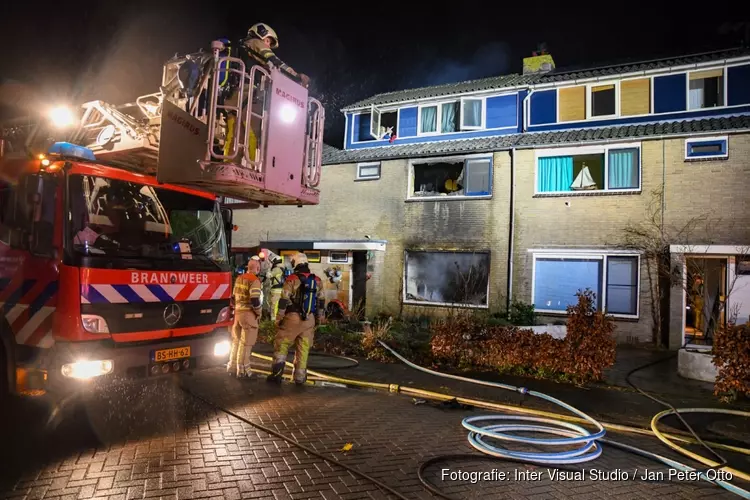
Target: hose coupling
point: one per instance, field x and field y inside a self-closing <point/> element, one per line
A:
<point x="523" y="390"/>
<point x="393" y="387"/>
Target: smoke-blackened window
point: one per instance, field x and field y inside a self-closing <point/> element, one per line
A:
<point x="447" y="278"/>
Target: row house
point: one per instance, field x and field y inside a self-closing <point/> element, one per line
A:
<point x="528" y="187"/>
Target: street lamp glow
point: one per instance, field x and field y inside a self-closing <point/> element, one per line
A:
<point x="61" y="117"/>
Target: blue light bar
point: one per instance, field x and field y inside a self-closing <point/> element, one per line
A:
<point x="72" y="150"/>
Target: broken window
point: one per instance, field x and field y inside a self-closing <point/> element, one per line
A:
<point x="459" y="177"/>
<point x="447" y="278"/>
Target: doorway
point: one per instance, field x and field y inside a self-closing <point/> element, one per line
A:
<point x="705" y="298"/>
<point x="359" y="283"/>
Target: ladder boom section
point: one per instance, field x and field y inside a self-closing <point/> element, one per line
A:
<point x="244" y="132"/>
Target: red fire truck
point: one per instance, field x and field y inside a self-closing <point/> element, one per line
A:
<point x="114" y="244"/>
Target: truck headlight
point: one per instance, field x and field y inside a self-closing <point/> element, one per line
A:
<point x="84" y="370"/>
<point x="222" y="348"/>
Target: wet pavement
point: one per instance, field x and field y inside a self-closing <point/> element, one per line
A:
<point x="157" y="441"/>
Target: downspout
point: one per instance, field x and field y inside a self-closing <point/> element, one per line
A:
<point x="525" y="107"/>
<point x="511" y="229"/>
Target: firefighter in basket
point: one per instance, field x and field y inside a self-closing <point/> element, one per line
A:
<point x="301" y="302"/>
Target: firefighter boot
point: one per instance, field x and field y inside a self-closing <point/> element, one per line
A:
<point x="277" y="371"/>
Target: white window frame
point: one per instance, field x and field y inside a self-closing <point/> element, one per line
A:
<point x="483" y="102"/>
<point x="361" y="177"/>
<point x="381" y="111"/>
<point x="694" y="140"/>
<point x="443" y="304"/>
<point x="439" y="108"/>
<point x="724" y="82"/>
<point x="452" y="159"/>
<point x="331" y="260"/>
<point x="589" y="150"/>
<point x="373" y="111"/>
<point x="590" y="100"/>
<point x="592" y="255"/>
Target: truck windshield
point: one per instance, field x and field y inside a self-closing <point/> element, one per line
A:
<point x="114" y="218"/>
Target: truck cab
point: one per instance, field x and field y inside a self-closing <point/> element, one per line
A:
<point x="114" y="245"/>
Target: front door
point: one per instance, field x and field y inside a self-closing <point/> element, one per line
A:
<point x="705" y="298"/>
<point x="359" y="283"/>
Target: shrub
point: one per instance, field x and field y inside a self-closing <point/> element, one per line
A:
<point x="731" y="351"/>
<point x="588" y="348"/>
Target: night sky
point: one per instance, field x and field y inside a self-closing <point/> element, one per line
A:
<point x="114" y="50"/>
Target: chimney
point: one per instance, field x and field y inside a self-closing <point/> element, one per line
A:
<point x="539" y="62"/>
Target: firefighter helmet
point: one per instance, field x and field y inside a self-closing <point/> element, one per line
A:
<point x="299" y="259"/>
<point x="262" y="31"/>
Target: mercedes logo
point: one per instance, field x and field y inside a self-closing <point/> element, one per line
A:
<point x="172" y="314"/>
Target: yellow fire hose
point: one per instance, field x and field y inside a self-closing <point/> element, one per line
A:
<point x="667" y="438"/>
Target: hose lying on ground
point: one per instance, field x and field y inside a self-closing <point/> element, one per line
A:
<point x="576" y="456"/>
<point x="558" y="419"/>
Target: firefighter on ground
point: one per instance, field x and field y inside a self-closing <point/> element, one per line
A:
<point x="301" y="301"/>
<point x="247" y="311"/>
<point x="276" y="276"/>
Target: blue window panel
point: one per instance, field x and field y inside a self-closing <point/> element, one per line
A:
<point x="670" y="93"/>
<point x="502" y="111"/>
<point x="362" y="128"/>
<point x="714" y="148"/>
<point x="407" y="122"/>
<point x="543" y="107"/>
<point x="556" y="282"/>
<point x="478" y="177"/>
<point x="738" y="85"/>
<point x="622" y="285"/>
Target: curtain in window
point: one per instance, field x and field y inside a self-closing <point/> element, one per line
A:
<point x="555" y="173"/>
<point x="429" y="119"/>
<point x="472" y="113"/>
<point x="623" y="169"/>
<point x="696" y="94"/>
<point x="448" y="119"/>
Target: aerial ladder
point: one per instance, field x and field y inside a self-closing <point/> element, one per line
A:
<point x="182" y="134"/>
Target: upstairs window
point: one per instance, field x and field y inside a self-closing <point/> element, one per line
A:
<point x="472" y="113"/>
<point x="588" y="169"/>
<point x="449" y="117"/>
<point x="706" y="89"/>
<point x="603" y="100"/>
<point x="376" y="125"/>
<point x="452" y="177"/>
<point x="709" y="148"/>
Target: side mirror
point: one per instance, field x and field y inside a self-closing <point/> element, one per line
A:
<point x="227" y="215"/>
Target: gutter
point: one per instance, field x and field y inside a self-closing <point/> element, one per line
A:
<point x="511" y="228"/>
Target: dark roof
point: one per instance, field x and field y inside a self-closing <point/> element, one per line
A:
<point x="556" y="75"/>
<point x="333" y="156"/>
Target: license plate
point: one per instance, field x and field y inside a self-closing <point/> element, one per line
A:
<point x="170" y="354"/>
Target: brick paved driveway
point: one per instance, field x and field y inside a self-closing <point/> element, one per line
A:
<point x="157" y="442"/>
